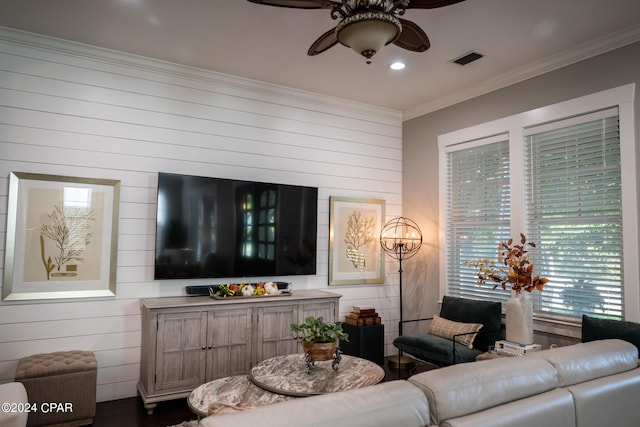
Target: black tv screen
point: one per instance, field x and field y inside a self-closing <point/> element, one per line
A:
<point x="219" y="228"/>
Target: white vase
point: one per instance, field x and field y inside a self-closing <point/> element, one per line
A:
<point x="519" y="318"/>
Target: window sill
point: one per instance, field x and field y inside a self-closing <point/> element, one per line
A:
<point x="570" y="328"/>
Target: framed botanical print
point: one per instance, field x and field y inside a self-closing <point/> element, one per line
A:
<point x="62" y="235"/>
<point x="355" y="255"/>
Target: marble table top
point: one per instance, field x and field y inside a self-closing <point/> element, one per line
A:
<point x="230" y="394"/>
<point x="279" y="379"/>
<point x="288" y="375"/>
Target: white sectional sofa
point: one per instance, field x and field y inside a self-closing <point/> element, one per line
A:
<point x="591" y="384"/>
<point x="15" y="402"/>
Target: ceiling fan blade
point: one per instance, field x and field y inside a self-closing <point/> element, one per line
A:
<point x="324" y="42"/>
<point x="429" y="4"/>
<point x="298" y="4"/>
<point x="412" y="37"/>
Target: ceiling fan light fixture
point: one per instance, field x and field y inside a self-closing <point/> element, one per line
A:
<point x="368" y="32"/>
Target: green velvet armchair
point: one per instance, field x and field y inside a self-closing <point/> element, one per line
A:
<point x="444" y="351"/>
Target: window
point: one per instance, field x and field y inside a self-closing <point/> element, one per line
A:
<point x="564" y="176"/>
<point x="574" y="213"/>
<point x="478" y="202"/>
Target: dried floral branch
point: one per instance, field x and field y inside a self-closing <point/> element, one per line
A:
<point x="513" y="268"/>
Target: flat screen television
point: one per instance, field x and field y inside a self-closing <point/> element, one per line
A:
<point x="223" y="228"/>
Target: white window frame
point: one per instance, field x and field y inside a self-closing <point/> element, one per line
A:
<point x="514" y="126"/>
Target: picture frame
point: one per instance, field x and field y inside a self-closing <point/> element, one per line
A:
<point x="62" y="237"/>
<point x="355" y="255"/>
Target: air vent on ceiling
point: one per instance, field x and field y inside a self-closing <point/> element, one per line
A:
<point x="467" y="58"/>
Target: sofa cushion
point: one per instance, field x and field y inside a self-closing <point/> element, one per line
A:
<point x="435" y="349"/>
<point x="608" y="401"/>
<point x="448" y="329"/>
<point x="552" y="408"/>
<point x="472" y="311"/>
<point x="594" y="328"/>
<point x="587" y="361"/>
<point x="394" y="403"/>
<point x="460" y="390"/>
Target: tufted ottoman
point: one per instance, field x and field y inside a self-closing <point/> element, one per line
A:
<point x="61" y="387"/>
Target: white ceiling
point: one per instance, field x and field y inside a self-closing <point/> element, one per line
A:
<point x="519" y="38"/>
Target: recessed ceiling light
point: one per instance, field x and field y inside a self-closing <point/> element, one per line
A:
<point x="397" y="66"/>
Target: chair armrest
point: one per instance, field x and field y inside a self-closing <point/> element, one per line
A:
<point x="402" y="322"/>
<point x="487" y="331"/>
<point x="453" y="348"/>
<point x="417" y="320"/>
<point x="467" y="333"/>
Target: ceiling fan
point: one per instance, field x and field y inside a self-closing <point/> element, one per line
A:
<point x="366" y="26"/>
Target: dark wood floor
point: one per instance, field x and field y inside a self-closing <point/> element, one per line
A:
<point x="131" y="412"/>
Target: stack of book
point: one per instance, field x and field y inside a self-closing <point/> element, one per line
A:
<point x="362" y="316"/>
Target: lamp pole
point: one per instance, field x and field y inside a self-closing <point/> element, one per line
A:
<point x="400" y="247"/>
<point x="401" y="239"/>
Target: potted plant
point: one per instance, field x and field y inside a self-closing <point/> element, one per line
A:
<point x="319" y="339"/>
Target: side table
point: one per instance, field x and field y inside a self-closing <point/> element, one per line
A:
<point x="366" y="342"/>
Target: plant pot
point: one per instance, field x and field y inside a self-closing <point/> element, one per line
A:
<point x="519" y="318"/>
<point x="320" y="351"/>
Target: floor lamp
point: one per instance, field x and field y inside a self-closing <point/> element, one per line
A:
<point x="401" y="239"/>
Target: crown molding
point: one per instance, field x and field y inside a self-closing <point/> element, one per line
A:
<point x="234" y="84"/>
<point x="588" y="50"/>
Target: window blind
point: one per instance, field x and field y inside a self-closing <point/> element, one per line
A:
<point x="573" y="210"/>
<point x="478" y="213"/>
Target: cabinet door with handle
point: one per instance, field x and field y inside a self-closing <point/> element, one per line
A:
<point x="274" y="335"/>
<point x="181" y="350"/>
<point x="229" y="338"/>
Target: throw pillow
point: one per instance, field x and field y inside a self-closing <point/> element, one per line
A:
<point x="445" y="328"/>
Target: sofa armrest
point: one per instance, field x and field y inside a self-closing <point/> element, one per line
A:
<point x="13" y="393"/>
<point x="386" y="404"/>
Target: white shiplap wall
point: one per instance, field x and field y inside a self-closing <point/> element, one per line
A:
<point x="75" y="110"/>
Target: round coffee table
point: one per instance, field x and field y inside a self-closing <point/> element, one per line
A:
<point x="289" y="375"/>
<point x="279" y="379"/>
<point x="230" y="394"/>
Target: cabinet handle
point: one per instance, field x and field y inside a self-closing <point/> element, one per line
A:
<point x="210" y="347"/>
<point x="204" y="348"/>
